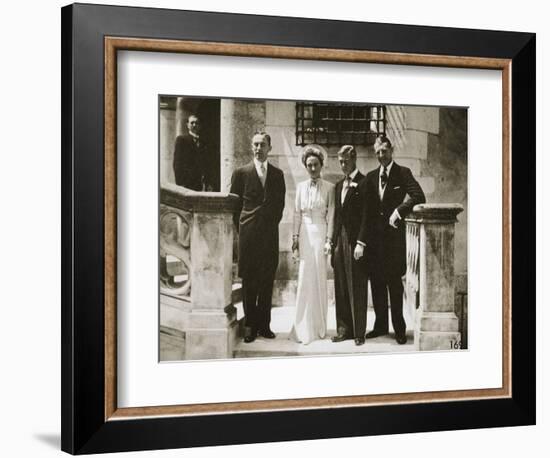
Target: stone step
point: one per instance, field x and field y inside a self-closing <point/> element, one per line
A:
<point x="281" y="347"/>
<point x="172" y="344"/>
<point x="281" y="322"/>
<point x="172" y="341"/>
<point x="439" y="322"/>
<point x="439" y="340"/>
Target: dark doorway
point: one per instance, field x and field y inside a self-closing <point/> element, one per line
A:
<point x="208" y="111"/>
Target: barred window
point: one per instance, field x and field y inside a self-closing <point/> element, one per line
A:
<point x="339" y="123"/>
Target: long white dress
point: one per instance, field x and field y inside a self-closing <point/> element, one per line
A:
<point x="314" y="221"/>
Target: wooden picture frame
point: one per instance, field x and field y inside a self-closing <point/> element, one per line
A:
<point x="91" y="37"/>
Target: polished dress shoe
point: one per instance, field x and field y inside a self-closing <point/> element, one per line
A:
<point x="359" y="341"/>
<point x="340" y="338"/>
<point x="267" y="333"/>
<point x="249" y="335"/>
<point x="374" y="333"/>
<point x="401" y="339"/>
<point x="250" y="338"/>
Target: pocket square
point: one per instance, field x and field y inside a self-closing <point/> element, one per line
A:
<point x="397" y="187"/>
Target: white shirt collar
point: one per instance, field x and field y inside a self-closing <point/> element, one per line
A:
<point x="258" y="164"/>
<point x="312" y="181"/>
<point x="388" y="168"/>
<point x="354" y="173"/>
<point x="193" y="135"/>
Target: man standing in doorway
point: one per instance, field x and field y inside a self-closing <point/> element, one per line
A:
<point x="391" y="194"/>
<point x="261" y="188"/>
<point x="193" y="165"/>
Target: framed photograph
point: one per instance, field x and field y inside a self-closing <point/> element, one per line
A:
<point x="271" y="221"/>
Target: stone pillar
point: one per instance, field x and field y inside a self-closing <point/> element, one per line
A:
<point x="211" y="331"/>
<point x="436" y="324"/>
<point x="167" y="139"/>
<point x="239" y="119"/>
<point x="227" y="142"/>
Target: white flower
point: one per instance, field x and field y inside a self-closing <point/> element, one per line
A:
<point x="353" y="184"/>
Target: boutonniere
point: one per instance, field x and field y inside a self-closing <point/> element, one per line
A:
<point x="353" y="184"/>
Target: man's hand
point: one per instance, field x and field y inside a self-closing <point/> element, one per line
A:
<point x="295" y="249"/>
<point x="358" y="252"/>
<point x="328" y="249"/>
<point x="395" y="218"/>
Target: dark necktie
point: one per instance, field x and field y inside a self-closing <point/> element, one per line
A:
<point x="383" y="177"/>
<point x="262" y="174"/>
<point x="345" y="187"/>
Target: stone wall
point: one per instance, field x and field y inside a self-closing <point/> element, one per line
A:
<point x="447" y="164"/>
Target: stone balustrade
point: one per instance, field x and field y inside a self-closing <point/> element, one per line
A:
<point x="206" y="249"/>
<point x="430" y="275"/>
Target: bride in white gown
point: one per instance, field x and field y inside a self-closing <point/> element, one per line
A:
<point x="313" y="227"/>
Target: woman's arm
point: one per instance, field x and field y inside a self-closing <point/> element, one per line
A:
<point x="297" y="220"/>
<point x="330" y="212"/>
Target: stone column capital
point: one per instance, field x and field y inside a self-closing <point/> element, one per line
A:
<point x="435" y="213"/>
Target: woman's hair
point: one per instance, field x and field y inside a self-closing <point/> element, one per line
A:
<point x="312" y="151"/>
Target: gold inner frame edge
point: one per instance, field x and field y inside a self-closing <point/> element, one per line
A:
<point x="114" y="44"/>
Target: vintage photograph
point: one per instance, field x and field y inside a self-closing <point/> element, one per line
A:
<point x="301" y="228"/>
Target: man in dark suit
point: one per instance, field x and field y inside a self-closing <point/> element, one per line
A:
<point x="193" y="164"/>
<point x="261" y="188"/>
<point x="391" y="194"/>
<point x="350" y="277"/>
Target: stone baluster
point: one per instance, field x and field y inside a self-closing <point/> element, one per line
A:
<point x="412" y="275"/>
<point x="436" y="324"/>
<point x="211" y="330"/>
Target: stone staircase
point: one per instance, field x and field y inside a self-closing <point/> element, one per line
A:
<point x="172" y="342"/>
<point x="281" y="346"/>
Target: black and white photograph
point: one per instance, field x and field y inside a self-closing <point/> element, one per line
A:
<point x="293" y="228"/>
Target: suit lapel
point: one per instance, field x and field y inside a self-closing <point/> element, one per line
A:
<point x="268" y="178"/>
<point x="355" y="180"/>
<point x="338" y="191"/>
<point x="254" y="173"/>
<point x="391" y="179"/>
